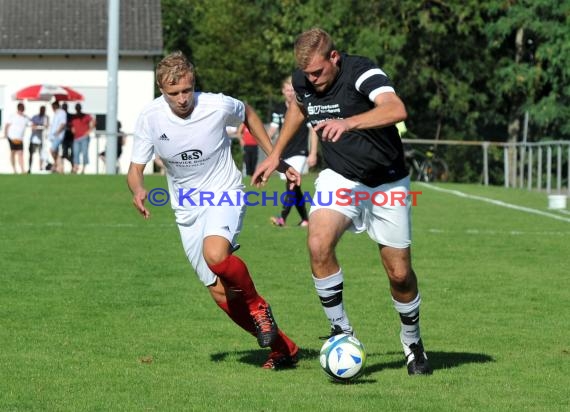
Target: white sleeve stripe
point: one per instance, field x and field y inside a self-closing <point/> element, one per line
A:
<point x="366" y="75"/>
<point x="380" y="90"/>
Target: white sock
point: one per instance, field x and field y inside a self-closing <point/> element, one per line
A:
<point x="410" y="321"/>
<point x="329" y="290"/>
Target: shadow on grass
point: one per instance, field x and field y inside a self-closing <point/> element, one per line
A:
<point x="258" y="356"/>
<point x="438" y="360"/>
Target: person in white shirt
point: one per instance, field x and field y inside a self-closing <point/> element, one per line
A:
<point x="56" y="134"/>
<point x="14" y="130"/>
<point x="187" y="130"/>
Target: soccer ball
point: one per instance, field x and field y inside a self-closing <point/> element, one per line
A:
<point x="343" y="357"/>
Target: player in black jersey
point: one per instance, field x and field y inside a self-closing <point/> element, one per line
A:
<point x="301" y="153"/>
<point x="352" y="105"/>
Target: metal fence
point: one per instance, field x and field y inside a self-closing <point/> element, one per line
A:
<point x="540" y="165"/>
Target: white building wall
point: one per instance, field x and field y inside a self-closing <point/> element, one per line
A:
<point x="89" y="77"/>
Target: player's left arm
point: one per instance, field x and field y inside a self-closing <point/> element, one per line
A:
<point x="239" y="134"/>
<point x="257" y="129"/>
<point x="388" y="110"/>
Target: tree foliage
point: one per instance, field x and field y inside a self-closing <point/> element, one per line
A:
<point x="538" y="79"/>
<point x="456" y="65"/>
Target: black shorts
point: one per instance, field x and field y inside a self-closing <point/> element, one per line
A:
<point x="16" y="144"/>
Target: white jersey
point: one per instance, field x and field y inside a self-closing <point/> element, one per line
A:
<point x="196" y="151"/>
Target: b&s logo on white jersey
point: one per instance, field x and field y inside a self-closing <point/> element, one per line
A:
<point x="193" y="154"/>
<point x="188" y="158"/>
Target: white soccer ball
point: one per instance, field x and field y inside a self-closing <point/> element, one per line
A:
<point x="343" y="357"/>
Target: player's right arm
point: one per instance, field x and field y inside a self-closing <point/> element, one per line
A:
<point x="294" y="118"/>
<point x="135" y="181"/>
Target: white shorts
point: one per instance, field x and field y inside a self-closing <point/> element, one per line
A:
<point x="299" y="163"/>
<point x="198" y="222"/>
<point x="383" y="211"/>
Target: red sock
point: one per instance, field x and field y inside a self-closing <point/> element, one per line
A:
<point x="238" y="311"/>
<point x="233" y="271"/>
<point x="283" y="344"/>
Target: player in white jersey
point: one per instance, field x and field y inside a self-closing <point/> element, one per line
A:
<point x="353" y="107"/>
<point x="187" y="130"/>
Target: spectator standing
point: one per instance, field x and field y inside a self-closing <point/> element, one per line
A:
<point x="81" y="126"/>
<point x="14" y="131"/>
<point x="300" y="153"/>
<point x="56" y="135"/>
<point x="67" y="143"/>
<point x="249" y="146"/>
<point x="40" y="123"/>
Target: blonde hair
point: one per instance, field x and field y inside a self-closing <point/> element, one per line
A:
<point x="172" y="68"/>
<point x="309" y="43"/>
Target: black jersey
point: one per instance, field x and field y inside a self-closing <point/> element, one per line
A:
<point x="299" y="144"/>
<point x="371" y="156"/>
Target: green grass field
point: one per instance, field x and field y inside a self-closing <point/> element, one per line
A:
<point x="100" y="311"/>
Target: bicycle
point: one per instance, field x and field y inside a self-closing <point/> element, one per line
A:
<point x="426" y="166"/>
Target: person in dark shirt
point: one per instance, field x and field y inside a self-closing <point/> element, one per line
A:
<point x="301" y="154"/>
<point x="352" y="105"/>
<point x="250" y="148"/>
<point x="67" y="143"/>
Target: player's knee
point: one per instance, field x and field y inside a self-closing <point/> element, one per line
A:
<point x="214" y="256"/>
<point x="402" y="279"/>
<point x="319" y="249"/>
<point x="215" y="250"/>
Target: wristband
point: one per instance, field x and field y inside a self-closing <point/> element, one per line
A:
<point x="283" y="166"/>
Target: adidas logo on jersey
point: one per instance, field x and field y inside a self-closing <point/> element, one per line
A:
<point x="163" y="137"/>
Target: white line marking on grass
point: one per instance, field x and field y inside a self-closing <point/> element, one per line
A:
<point x="497" y="202"/>
<point x="77" y="224"/>
<point x="498" y="232"/>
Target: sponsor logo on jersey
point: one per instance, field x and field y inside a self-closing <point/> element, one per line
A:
<point x="323" y="108"/>
<point x="164" y="137"/>
<point x="193" y="154"/>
